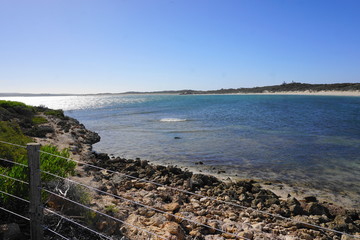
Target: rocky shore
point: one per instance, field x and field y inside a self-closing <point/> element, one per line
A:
<point x="238" y="209"/>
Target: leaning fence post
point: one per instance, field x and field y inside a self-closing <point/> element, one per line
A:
<point x="35" y="208"/>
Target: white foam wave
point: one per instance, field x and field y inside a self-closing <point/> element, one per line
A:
<point x="173" y="120"/>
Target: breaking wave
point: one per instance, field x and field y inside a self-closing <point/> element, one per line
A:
<point x="173" y="120"/>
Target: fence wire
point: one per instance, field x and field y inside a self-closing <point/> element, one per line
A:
<point x="76" y="223"/>
<point x="15" y="179"/>
<point x="55" y="233"/>
<point x="104" y="214"/>
<point x="13" y="144"/>
<point x="210" y="198"/>
<point x="168" y="187"/>
<point x="145" y="206"/>
<point x="16" y="214"/>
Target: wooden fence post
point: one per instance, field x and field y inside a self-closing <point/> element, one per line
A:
<point x="35" y="208"/>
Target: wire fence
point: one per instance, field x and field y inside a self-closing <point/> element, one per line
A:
<point x="235" y="235"/>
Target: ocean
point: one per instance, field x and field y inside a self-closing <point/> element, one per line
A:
<point x="310" y="141"/>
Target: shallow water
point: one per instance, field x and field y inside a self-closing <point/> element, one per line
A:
<point x="313" y="141"/>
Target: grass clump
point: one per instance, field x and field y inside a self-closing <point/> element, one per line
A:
<point x="39" y="120"/>
<point x="11" y="132"/>
<point x="57" y="113"/>
<point x="111" y="209"/>
<point x="13" y="104"/>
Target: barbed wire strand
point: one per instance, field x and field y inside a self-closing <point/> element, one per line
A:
<point x="188" y="192"/>
<point x="106" y="215"/>
<point x="207" y="197"/>
<point x="72" y="221"/>
<point x="56" y="233"/>
<point x="16" y="214"/>
<point x="13" y="144"/>
<point x="13" y="162"/>
<point x="15" y="179"/>
<point x="143" y="205"/>
<point x="22" y="199"/>
<point x="45" y="227"/>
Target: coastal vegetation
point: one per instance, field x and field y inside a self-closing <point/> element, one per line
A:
<point x="18" y="122"/>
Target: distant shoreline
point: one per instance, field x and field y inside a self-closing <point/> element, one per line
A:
<point x="320" y="93"/>
<point x="310" y="93"/>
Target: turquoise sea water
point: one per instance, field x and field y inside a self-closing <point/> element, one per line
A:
<point x="308" y="140"/>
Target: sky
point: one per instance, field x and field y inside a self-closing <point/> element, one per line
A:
<point x="99" y="46"/>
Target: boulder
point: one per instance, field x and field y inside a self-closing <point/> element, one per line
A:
<point x="171" y="207"/>
<point x="317" y="209"/>
<point x="309" y="199"/>
<point x="175" y="229"/>
<point x="200" y="180"/>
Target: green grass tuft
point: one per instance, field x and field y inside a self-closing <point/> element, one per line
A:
<point x="11" y="132"/>
<point x="57" y="113"/>
<point x="39" y="120"/>
<point x="8" y="104"/>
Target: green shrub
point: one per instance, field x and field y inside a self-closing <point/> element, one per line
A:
<point x="53" y="164"/>
<point x="56" y="165"/>
<point x="57" y="113"/>
<point x="8" y="104"/>
<point x="111" y="209"/>
<point x="11" y="132"/>
<point x="39" y="120"/>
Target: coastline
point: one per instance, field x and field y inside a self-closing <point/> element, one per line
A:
<point x="249" y="193"/>
<point x="320" y="93"/>
<point x="355" y="93"/>
<point x="295" y="93"/>
<point x="280" y="188"/>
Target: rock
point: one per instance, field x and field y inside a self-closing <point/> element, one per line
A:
<point x="246" y="235"/>
<point x="306" y="236"/>
<point x="91" y="137"/>
<point x="296" y="209"/>
<point x="174" y="229"/>
<point x="157" y="220"/>
<point x="171" y="207"/>
<point x="317" y="209"/>
<point x="144" y="163"/>
<point x="214" y="225"/>
<point x="195" y="233"/>
<point x="10" y="231"/>
<point x="346" y="237"/>
<point x="341" y="223"/>
<point x="118" y="179"/>
<point x="196" y="181"/>
<point x="214" y="237"/>
<point x="309" y="199"/>
<point x="258" y="226"/>
<point x="103" y="156"/>
<point x="199" y="180"/>
<point x="292" y="201"/>
<point x="272" y="201"/>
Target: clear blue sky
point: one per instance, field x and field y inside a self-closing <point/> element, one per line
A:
<point x="90" y="46"/>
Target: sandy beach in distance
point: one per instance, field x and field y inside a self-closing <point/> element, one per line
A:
<point x="320" y="93"/>
<point x="310" y="93"/>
